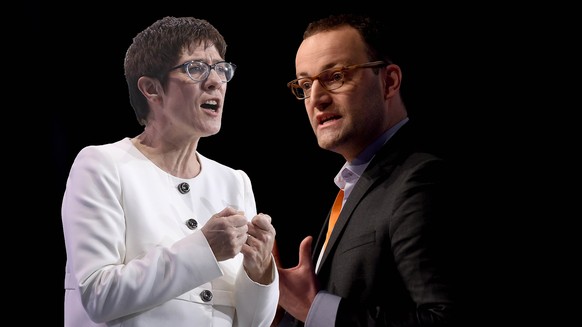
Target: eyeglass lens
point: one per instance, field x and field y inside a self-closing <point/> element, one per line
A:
<point x="330" y="79"/>
<point x="199" y="70"/>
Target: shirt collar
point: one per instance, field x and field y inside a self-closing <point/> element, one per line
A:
<point x="350" y="172"/>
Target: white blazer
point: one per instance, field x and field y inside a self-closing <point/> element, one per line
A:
<point x="134" y="256"/>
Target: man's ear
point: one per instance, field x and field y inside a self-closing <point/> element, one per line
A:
<point x="392" y="80"/>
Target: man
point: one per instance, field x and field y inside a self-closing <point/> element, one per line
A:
<point x="386" y="261"/>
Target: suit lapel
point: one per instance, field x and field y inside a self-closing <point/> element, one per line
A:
<point x="381" y="166"/>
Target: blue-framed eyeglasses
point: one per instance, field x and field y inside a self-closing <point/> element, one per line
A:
<point x="198" y="71"/>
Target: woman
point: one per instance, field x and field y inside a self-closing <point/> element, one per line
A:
<point x="156" y="233"/>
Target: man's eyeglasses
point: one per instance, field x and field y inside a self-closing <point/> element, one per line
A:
<point x="330" y="79"/>
<point x="198" y="71"/>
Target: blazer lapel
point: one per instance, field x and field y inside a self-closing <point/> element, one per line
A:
<point x="381" y="165"/>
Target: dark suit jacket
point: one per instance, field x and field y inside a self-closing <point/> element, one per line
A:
<point x="390" y="257"/>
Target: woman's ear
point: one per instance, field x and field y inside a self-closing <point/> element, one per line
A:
<point x="150" y="87"/>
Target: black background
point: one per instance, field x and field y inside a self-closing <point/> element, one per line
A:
<point x="450" y="56"/>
